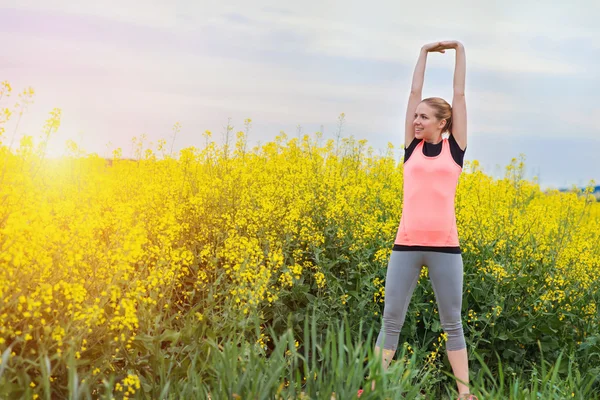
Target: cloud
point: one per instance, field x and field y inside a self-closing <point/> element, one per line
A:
<point x="154" y="13"/>
<point x="496" y="38"/>
<point x="307" y="65"/>
<point x="496" y="35"/>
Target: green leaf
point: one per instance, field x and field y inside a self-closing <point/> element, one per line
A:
<point x="169" y="335"/>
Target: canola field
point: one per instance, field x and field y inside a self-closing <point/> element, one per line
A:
<point x="112" y="269"/>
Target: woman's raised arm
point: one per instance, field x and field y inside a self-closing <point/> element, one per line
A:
<point x="459" y="104"/>
<point x="416" y="90"/>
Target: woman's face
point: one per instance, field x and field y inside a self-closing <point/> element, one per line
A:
<point x="426" y="125"/>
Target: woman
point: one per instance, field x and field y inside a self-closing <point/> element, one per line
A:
<point x="427" y="234"/>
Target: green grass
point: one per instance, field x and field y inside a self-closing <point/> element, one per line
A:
<point x="339" y="363"/>
<point x="334" y="361"/>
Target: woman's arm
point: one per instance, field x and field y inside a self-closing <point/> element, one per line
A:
<point x="459" y="104"/>
<point x="416" y="90"/>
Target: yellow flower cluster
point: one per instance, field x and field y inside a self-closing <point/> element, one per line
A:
<point x="472" y="316"/>
<point x="379" y="295"/>
<point x="320" y="279"/>
<point x="263" y="340"/>
<point x="132" y="383"/>
<point x="344" y="298"/>
<point x="286" y="279"/>
<point x="496" y="270"/>
<point x="424" y="274"/>
<point x="408" y="347"/>
<point x="497" y="310"/>
<point x="552" y="232"/>
<point x="433" y="356"/>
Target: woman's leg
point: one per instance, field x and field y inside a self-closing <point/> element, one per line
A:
<point x="402" y="274"/>
<point x="446" y="274"/>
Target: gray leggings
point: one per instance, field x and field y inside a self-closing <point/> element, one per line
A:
<point x="446" y="274"/>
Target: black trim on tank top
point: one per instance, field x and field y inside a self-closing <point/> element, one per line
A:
<point x="432" y="150"/>
<point x="439" y="249"/>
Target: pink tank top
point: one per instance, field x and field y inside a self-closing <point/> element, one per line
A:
<point x="428" y="217"/>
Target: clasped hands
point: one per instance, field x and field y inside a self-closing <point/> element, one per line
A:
<point x="441" y="46"/>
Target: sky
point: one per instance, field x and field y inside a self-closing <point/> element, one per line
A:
<point x="120" y="69"/>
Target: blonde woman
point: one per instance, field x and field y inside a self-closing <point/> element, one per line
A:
<point x="427" y="234"/>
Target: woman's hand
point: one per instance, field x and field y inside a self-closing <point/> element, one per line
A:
<point x="441" y="46"/>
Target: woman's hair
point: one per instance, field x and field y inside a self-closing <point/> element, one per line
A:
<point x="442" y="110"/>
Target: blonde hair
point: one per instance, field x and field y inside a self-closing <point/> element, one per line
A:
<point x="442" y="110"/>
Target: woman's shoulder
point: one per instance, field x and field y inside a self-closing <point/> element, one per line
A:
<point x="454" y="144"/>
<point x="413" y="144"/>
<point x="408" y="150"/>
<point x="458" y="154"/>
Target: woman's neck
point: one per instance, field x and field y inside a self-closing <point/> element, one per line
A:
<point x="435" y="141"/>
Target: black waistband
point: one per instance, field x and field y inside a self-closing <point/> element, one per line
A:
<point x="447" y="249"/>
